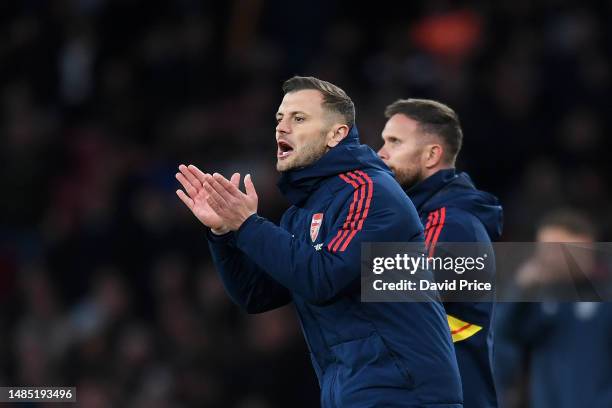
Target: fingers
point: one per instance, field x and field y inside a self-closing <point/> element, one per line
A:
<point x="214" y="191"/>
<point x="218" y="208"/>
<point x="236" y="180"/>
<point x="190" y="177"/>
<point x="249" y="187"/>
<point x="221" y="194"/>
<point x="186" y="185"/>
<point x="201" y="177"/>
<point x="197" y="172"/>
<point x="215" y="201"/>
<point x="228" y="189"/>
<point x="188" y="201"/>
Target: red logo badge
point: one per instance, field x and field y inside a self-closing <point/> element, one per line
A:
<point x="315" y="225"/>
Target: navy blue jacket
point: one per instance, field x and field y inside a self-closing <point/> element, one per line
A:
<point x="364" y="354"/>
<point x="453" y="210"/>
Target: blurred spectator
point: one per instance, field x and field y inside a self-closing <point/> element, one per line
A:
<point x="564" y="347"/>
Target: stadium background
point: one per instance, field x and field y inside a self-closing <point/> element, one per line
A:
<point x="105" y="278"/>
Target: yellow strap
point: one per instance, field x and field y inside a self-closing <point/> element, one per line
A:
<point x="461" y="330"/>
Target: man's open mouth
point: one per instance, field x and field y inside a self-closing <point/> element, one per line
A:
<point x="284" y="149"/>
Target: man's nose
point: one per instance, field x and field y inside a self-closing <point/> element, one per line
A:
<point x="383" y="154"/>
<point x="282" y="127"/>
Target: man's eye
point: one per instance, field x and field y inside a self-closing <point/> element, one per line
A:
<point x="299" y="119"/>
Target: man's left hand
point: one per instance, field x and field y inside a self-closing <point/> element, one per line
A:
<point x="231" y="204"/>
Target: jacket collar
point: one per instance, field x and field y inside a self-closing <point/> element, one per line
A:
<point x="298" y="184"/>
<point x="423" y="191"/>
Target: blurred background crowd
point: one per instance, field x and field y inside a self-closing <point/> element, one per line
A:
<point x="106" y="282"/>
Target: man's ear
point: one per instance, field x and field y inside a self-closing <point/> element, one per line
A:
<point x="336" y="134"/>
<point x="434" y="154"/>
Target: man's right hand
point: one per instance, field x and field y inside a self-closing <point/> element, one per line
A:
<point x="192" y="179"/>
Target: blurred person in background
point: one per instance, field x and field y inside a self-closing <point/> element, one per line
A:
<point x="422" y="139"/>
<point x="564" y="347"/>
<point x="364" y="354"/>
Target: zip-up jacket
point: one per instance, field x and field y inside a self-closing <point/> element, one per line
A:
<point x="453" y="210"/>
<point x="364" y="354"/>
